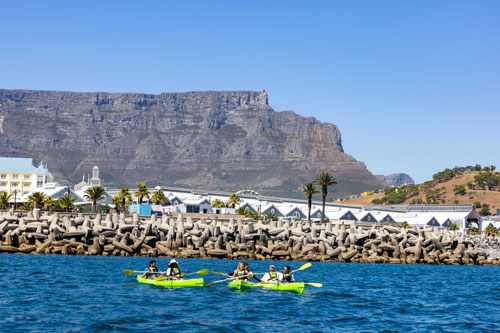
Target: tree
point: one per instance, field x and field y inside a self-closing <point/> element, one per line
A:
<point x="142" y="192"/>
<point x="406" y="225"/>
<point x="123" y="197"/>
<point x="454" y="227"/>
<point x="271" y="217"/>
<point x="444" y="175"/>
<point x="324" y="180"/>
<point x="485" y="210"/>
<point x="158" y="197"/>
<point x="459" y="189"/>
<point x="4" y="200"/>
<point x="218" y="204"/>
<point x="49" y="203"/>
<point x="309" y="190"/>
<point x="95" y="194"/>
<point x="491" y="230"/>
<point x="247" y="212"/>
<point x="474" y="231"/>
<point x="233" y="200"/>
<point x="477" y="204"/>
<point x="37" y="199"/>
<point x="66" y="201"/>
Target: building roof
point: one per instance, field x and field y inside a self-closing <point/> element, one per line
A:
<point x="17" y="164"/>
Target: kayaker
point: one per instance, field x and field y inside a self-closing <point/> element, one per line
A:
<point x="287" y="276"/>
<point x="247" y="268"/>
<point x="173" y="271"/>
<point x="151" y="268"/>
<point x="240" y="273"/>
<point x="272" y="275"/>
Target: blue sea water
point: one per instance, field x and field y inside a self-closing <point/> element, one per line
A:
<point x="71" y="293"/>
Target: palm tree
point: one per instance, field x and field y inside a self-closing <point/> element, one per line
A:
<point x="49" y="203"/>
<point x="324" y="180"/>
<point x="309" y="190"/>
<point x="37" y="199"/>
<point x="158" y="198"/>
<point x="125" y="196"/>
<point x="95" y="193"/>
<point x="142" y="192"/>
<point x="66" y="201"/>
<point x="233" y="200"/>
<point x="4" y="200"/>
<point x="218" y="204"/>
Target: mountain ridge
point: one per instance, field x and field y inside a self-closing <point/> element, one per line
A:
<point x="216" y="140"/>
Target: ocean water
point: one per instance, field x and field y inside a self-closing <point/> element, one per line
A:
<point x="70" y="293"/>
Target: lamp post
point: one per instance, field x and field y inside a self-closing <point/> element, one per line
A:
<point x="15" y="197"/>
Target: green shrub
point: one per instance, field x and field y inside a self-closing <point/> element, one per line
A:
<point x="454" y="227"/>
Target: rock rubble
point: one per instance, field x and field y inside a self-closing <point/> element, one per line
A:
<point x="120" y="235"/>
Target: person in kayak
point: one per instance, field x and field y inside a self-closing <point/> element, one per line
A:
<point x="247" y="268"/>
<point x="240" y="273"/>
<point x="151" y="268"/>
<point x="173" y="271"/>
<point x="287" y="276"/>
<point x="272" y="275"/>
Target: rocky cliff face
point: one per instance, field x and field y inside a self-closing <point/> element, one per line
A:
<point x="397" y="179"/>
<point x="209" y="140"/>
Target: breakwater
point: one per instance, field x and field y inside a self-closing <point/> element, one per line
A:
<point x="121" y="235"/>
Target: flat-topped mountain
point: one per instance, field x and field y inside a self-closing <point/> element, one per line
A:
<point x="214" y="140"/>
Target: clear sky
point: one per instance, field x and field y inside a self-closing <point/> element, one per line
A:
<point x="414" y="86"/>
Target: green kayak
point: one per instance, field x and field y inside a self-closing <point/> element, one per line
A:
<point x="172" y="283"/>
<point x="240" y="285"/>
<point x="295" y="287"/>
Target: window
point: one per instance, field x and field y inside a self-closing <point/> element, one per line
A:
<point x="3" y="184"/>
<point x="39" y="181"/>
<point x="15" y="176"/>
<point x="14" y="184"/>
<point x="3" y="176"/>
<point x="26" y="185"/>
<point x="27" y="177"/>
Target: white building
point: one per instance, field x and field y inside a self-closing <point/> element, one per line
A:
<point x="19" y="176"/>
<point x="441" y="216"/>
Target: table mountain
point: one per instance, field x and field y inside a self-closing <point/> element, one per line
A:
<point x="214" y="140"/>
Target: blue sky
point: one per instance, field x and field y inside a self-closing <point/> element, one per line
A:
<point x="413" y="86"/>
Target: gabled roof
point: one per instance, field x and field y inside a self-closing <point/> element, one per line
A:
<point x="272" y="209"/>
<point x="447" y="223"/>
<point x="387" y="218"/>
<point x="295" y="212"/>
<point x="369" y="218"/>
<point x="348" y="216"/>
<point x="317" y="214"/>
<point x="247" y="205"/>
<point x="433" y="222"/>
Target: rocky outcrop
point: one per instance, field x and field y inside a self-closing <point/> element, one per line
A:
<point x="397" y="179"/>
<point x="211" y="140"/>
<point x="120" y="235"/>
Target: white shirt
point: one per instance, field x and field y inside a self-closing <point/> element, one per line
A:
<point x="170" y="271"/>
<point x="267" y="277"/>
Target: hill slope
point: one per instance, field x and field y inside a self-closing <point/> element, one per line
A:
<point x="444" y="193"/>
<point x="209" y="140"/>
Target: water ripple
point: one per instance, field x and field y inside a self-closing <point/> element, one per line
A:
<point x="66" y="294"/>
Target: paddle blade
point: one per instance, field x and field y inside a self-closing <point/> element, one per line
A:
<point x="306" y="265"/>
<point x="202" y="272"/>
<point x="317" y="285"/>
<point x="128" y="272"/>
<point x="217" y="273"/>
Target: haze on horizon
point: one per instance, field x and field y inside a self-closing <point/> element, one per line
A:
<point x="413" y="87"/>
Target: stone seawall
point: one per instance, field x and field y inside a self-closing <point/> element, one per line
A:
<point x="120" y="235"/>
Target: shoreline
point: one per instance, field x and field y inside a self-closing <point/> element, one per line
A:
<point x="184" y="237"/>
